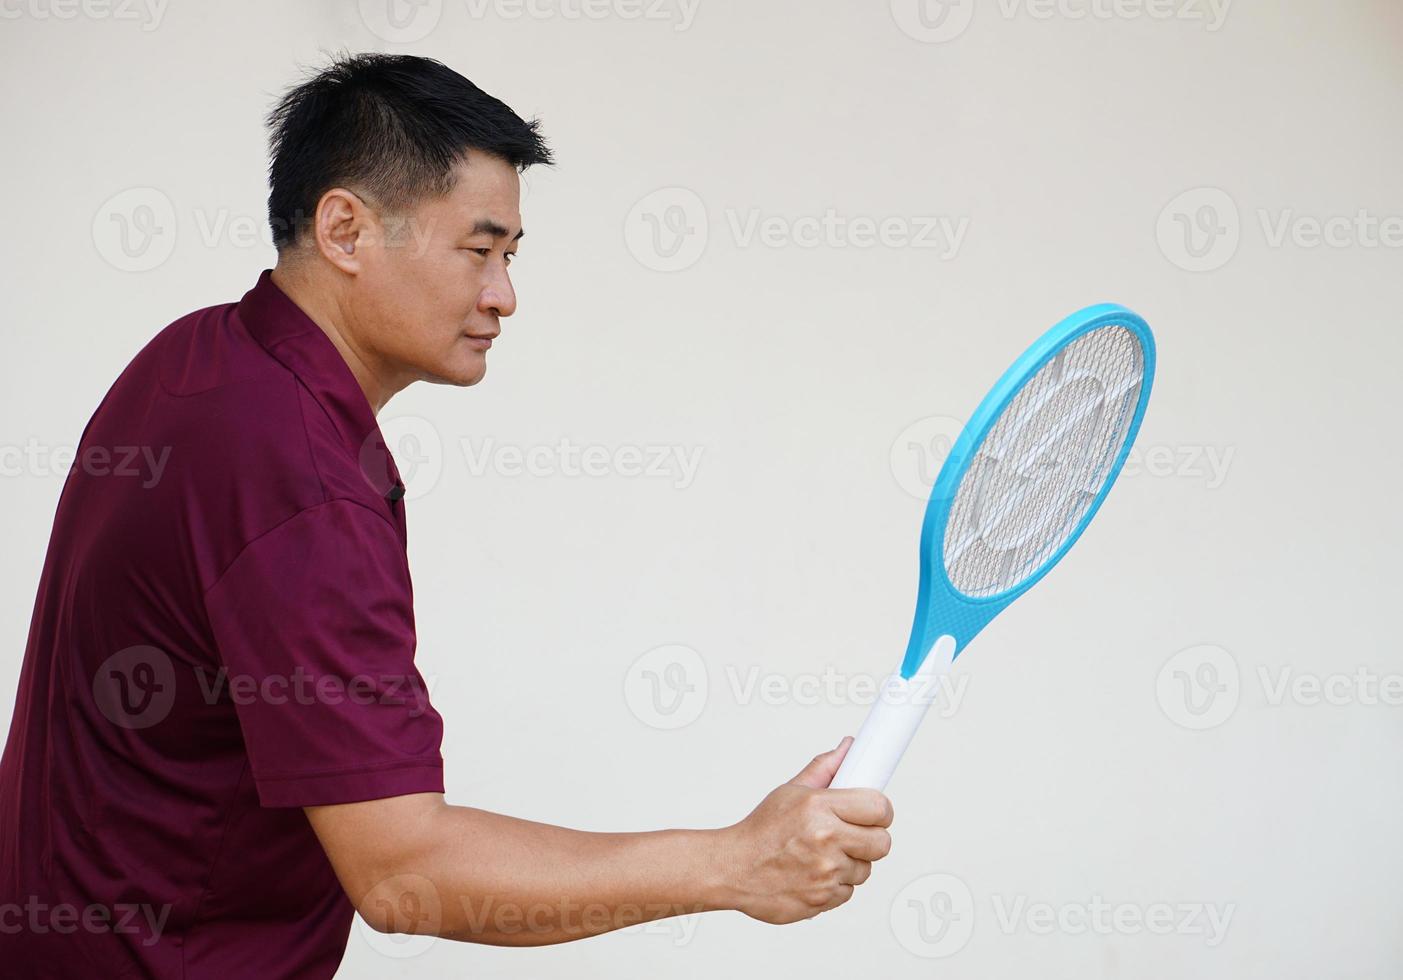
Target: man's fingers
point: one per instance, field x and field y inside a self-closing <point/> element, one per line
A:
<point x="864" y="843"/>
<point x="819" y="773"/>
<point x="867" y="807"/>
<point x="841" y="894"/>
<point x="856" y="872"/>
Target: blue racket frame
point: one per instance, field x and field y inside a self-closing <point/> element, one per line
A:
<point x="941" y="609"/>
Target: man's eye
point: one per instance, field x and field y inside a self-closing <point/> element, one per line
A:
<point x="487" y="252"/>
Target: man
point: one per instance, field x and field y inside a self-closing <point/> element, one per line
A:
<point x="221" y="745"/>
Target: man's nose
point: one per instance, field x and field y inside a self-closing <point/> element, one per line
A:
<point x="498" y="296"/>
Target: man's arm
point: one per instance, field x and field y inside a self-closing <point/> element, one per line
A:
<point x="415" y="864"/>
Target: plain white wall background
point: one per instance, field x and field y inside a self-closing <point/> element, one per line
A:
<point x="1123" y="754"/>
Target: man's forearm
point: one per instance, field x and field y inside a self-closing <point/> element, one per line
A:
<point x="414" y="864"/>
<point x="485" y="877"/>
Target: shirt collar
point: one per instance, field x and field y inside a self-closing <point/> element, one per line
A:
<point x="292" y="338"/>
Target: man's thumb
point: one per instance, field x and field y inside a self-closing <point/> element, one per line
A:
<point x="819" y="773"/>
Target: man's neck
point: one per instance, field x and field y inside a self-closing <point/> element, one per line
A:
<point x="324" y="311"/>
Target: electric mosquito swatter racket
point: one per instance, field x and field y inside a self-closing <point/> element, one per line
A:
<point x="1020" y="484"/>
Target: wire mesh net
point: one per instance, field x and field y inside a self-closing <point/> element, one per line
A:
<point x="1043" y="463"/>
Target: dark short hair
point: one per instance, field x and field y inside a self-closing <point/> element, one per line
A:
<point x="390" y="125"/>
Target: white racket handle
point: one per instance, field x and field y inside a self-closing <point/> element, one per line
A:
<point x="893" y="720"/>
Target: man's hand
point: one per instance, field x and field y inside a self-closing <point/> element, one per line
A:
<point x="805" y="847"/>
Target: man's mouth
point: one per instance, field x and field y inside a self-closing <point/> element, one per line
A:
<point x="482" y="341"/>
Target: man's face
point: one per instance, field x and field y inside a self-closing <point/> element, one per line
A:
<point x="431" y="295"/>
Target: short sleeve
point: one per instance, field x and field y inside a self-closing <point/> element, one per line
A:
<point x="314" y="624"/>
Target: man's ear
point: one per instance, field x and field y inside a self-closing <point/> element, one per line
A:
<point x="344" y="226"/>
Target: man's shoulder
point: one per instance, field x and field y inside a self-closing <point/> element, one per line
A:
<point x="241" y="415"/>
<point x="210" y="349"/>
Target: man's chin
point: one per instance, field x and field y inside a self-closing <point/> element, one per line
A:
<point x="461" y="372"/>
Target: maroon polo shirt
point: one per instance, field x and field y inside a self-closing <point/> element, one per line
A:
<point x="223" y="634"/>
